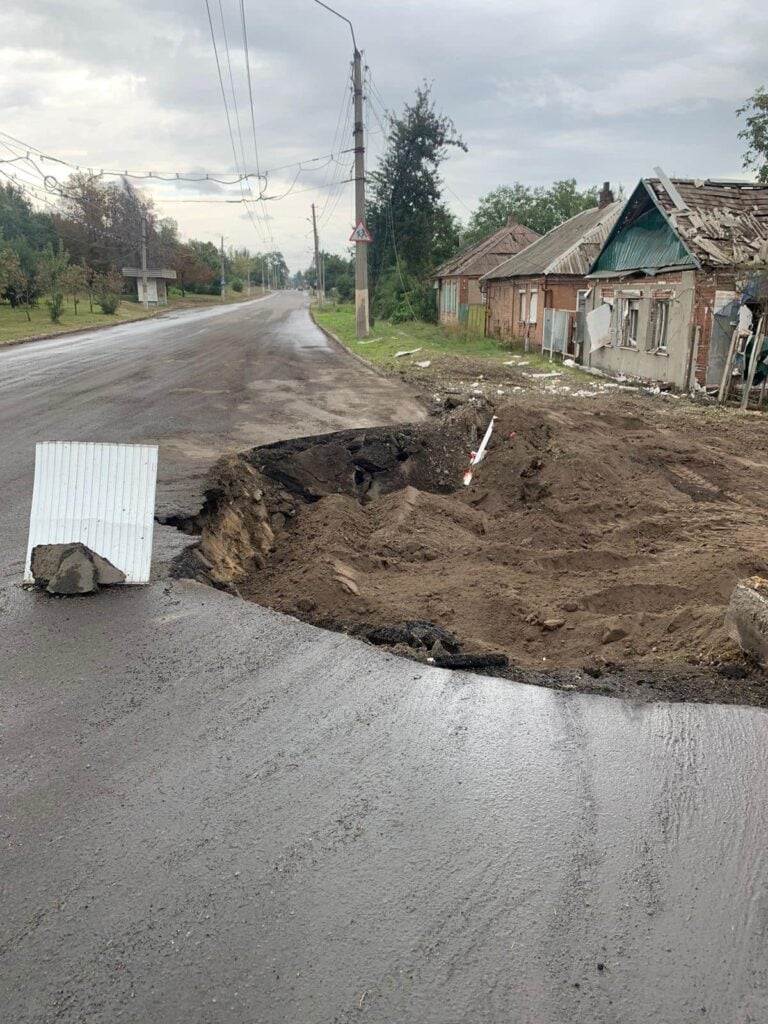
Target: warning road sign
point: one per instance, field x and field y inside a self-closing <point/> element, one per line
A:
<point x="361" y="233"/>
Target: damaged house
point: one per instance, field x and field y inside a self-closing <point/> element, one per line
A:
<point x="535" y="297"/>
<point x="459" y="299"/>
<point x="666" y="287"/>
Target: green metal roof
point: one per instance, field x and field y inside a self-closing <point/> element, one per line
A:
<point x="648" y="242"/>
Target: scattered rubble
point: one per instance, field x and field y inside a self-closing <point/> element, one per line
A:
<point x="70" y="569"/>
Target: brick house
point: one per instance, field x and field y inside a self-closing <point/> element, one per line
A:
<point x="666" y="286"/>
<point x="534" y="296"/>
<point x="459" y="299"/>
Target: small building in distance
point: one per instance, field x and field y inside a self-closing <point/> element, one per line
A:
<point x="459" y="298"/>
<point x="535" y="297"/>
<point x="157" y="292"/>
<point x="667" y="285"/>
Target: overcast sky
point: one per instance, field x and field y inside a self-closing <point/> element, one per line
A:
<point x="539" y="89"/>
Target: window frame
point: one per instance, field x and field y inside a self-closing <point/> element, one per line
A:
<point x="533" y="306"/>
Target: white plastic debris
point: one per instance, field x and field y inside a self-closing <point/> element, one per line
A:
<point x="406" y="352"/>
<point x="424" y="364"/>
<point x="478" y="456"/>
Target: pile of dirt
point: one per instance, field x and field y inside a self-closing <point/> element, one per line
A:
<point x="593" y="537"/>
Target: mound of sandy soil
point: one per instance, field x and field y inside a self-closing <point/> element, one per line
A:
<point x="593" y="534"/>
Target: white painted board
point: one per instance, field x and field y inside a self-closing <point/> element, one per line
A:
<point x="102" y="495"/>
<point x="599" y="326"/>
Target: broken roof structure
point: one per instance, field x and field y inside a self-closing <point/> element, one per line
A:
<point x="486" y="254"/>
<point x="569" y="249"/>
<point x="678" y="223"/>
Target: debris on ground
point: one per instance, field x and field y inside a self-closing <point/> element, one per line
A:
<point x="406" y="352"/>
<point x="70" y="569"/>
<point x="597" y="549"/>
<point x="747" y="617"/>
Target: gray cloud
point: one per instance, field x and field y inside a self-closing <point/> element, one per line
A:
<point x="541" y="89"/>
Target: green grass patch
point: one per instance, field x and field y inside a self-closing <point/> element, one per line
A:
<point x="14" y="325"/>
<point x="386" y="339"/>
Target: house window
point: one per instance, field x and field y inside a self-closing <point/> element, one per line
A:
<point x="534" y="306"/>
<point x="661" y="325"/>
<point x="631" y="322"/>
<point x="522" y="308"/>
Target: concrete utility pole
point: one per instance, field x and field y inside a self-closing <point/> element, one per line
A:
<point x="361" y="247"/>
<point x="144" y="297"/>
<point x="318" y="272"/>
<point x="222" y="282"/>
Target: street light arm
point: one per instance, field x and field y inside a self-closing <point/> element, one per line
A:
<point x="351" y="28"/>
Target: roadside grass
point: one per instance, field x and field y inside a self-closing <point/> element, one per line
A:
<point x="14" y="325"/>
<point x="386" y="339"/>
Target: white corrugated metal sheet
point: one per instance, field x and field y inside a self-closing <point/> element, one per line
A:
<point x="102" y="495"/>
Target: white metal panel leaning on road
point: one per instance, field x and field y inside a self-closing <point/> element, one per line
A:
<point x="102" y="495"/>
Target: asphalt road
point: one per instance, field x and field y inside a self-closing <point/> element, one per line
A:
<point x="213" y="813"/>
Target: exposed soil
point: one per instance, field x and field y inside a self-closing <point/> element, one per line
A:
<point x="596" y="548"/>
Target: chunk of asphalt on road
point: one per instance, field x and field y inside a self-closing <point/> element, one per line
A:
<point x="70" y="569"/>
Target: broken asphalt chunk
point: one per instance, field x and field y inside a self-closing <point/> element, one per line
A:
<point x="70" y="569"/>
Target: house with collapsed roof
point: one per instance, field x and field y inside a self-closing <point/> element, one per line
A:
<point x="534" y="297"/>
<point x="459" y="299"/>
<point x="666" y="287"/>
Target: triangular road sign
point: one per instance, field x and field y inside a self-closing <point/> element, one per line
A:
<point x="361" y="233"/>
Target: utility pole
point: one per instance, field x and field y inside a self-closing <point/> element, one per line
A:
<point x="361" y="246"/>
<point x="223" y="280"/>
<point x="318" y="271"/>
<point x="145" y="299"/>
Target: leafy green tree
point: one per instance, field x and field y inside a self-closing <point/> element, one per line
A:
<point x="755" y="133"/>
<point x="22" y="284"/>
<point x="19" y="220"/>
<point x="108" y="287"/>
<point x="540" y="209"/>
<point x="412" y="228"/>
<point x="74" y="282"/>
<point x="11" y="274"/>
<point x="51" y="271"/>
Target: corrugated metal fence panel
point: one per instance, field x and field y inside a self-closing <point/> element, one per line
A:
<point x="102" y="495"/>
<point x="555" y="336"/>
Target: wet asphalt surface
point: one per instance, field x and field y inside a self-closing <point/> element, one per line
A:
<point x="210" y="812"/>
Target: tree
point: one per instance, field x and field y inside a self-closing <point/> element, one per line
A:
<point x="192" y="272"/>
<point x="412" y="228"/>
<point x="755" y="133"/>
<point x="339" y="275"/>
<point x="52" y="267"/>
<point x="11" y="274"/>
<point x="19" y="220"/>
<point x="107" y="288"/>
<point x="74" y="281"/>
<point x="102" y="223"/>
<point x="540" y="209"/>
